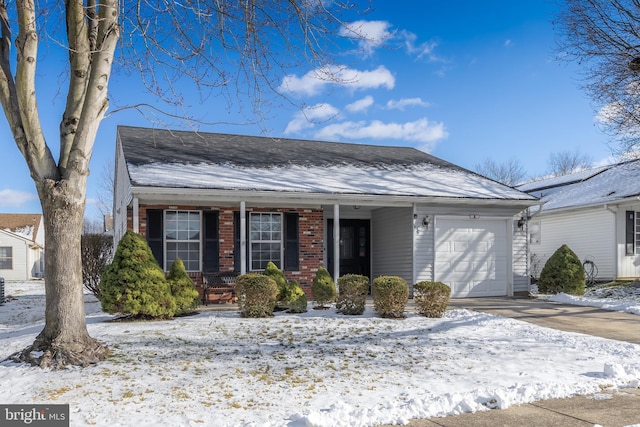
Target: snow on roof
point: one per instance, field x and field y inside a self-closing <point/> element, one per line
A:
<point x="561" y="180"/>
<point x="615" y="183"/>
<point x="24" y="225"/>
<point x="157" y="158"/>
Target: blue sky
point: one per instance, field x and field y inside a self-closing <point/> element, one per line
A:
<point x="464" y="81"/>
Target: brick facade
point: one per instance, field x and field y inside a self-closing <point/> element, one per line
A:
<point x="310" y="238"/>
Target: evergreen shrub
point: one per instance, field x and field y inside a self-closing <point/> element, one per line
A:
<point x="297" y="298"/>
<point x="182" y="288"/>
<point x="257" y="295"/>
<point x="134" y="283"/>
<point x="431" y="298"/>
<point x="390" y="296"/>
<point x="563" y="272"/>
<point x="323" y="288"/>
<point x="352" y="293"/>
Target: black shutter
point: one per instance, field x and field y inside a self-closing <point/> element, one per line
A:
<point x="630" y="233"/>
<point x="155" y="231"/>
<point x="211" y="244"/>
<point x="291" y="242"/>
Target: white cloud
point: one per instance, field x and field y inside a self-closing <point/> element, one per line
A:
<point x="421" y="50"/>
<point x="309" y="116"/>
<point x="360" y="105"/>
<point x="370" y="34"/>
<point x="401" y="104"/>
<point x="508" y="43"/>
<point x="313" y="82"/>
<point x="421" y="131"/>
<point x="15" y="198"/>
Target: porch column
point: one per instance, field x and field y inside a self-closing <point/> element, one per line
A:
<point x="136" y="215"/>
<point x="336" y="242"/>
<point x="243" y="238"/>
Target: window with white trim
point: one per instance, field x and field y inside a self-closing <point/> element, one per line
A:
<point x="182" y="238"/>
<point x="632" y="233"/>
<point x="6" y="258"/>
<point x="535" y="234"/>
<point x="265" y="240"/>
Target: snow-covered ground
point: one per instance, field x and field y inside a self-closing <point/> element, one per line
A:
<point x="314" y="369"/>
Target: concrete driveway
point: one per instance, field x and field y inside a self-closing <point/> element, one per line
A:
<point x="572" y="318"/>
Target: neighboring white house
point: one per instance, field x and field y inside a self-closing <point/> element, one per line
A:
<point x="21" y="246"/>
<point x="595" y="212"/>
<point x="235" y="202"/>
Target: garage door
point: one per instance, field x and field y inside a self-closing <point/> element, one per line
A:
<point x="471" y="256"/>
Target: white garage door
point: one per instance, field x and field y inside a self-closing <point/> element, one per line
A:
<point x="471" y="256"/>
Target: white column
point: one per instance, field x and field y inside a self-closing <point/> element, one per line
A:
<point x="336" y="242"/>
<point x="243" y="238"/>
<point x="136" y="215"/>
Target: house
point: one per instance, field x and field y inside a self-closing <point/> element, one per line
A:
<point x="227" y="202"/>
<point x="595" y="212"/>
<point x="21" y="246"/>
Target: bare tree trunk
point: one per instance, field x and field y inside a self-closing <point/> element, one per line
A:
<point x="64" y="339"/>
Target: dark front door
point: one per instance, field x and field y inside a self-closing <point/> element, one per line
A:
<point x="355" y="257"/>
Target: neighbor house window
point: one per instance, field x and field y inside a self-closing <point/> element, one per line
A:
<point x="535" y="233"/>
<point x="265" y="240"/>
<point x="182" y="238"/>
<point x="632" y="233"/>
<point x="6" y="258"/>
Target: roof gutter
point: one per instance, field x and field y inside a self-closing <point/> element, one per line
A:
<point x="200" y="196"/>
<point x="607" y="205"/>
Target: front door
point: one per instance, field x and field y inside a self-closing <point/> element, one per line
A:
<point x="355" y="255"/>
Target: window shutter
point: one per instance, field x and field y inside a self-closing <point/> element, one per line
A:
<point x="155" y="234"/>
<point x="630" y="233"/>
<point x="211" y="244"/>
<point x="291" y="242"/>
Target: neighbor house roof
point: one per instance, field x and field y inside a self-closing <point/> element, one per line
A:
<point x="179" y="159"/>
<point x="24" y="225"/>
<point x="607" y="184"/>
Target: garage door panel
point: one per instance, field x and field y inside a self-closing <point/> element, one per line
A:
<point x="472" y="259"/>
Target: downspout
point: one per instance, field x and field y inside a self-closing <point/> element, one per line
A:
<point x="414" y="232"/>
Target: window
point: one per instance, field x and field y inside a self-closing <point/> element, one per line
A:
<point x="182" y="238"/>
<point x="535" y="234"/>
<point x="6" y="258"/>
<point x="265" y="237"/>
<point x="632" y="233"/>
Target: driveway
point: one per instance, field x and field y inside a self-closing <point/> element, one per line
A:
<point x="572" y="318"/>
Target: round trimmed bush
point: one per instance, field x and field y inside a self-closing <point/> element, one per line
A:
<point x="182" y="288"/>
<point x="390" y="296"/>
<point x="352" y="293"/>
<point x="563" y="272"/>
<point x="281" y="280"/>
<point x="323" y="288"/>
<point x="134" y="283"/>
<point x="257" y="295"/>
<point x="431" y="298"/>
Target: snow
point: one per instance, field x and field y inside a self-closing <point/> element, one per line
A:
<point x="24" y="231"/>
<point x="420" y="180"/>
<point x="319" y="368"/>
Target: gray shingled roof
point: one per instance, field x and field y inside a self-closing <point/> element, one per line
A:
<point x="144" y="145"/>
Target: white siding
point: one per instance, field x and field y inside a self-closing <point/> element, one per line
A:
<point x="391" y="243"/>
<point x="121" y="197"/>
<point x="520" y="258"/>
<point x="588" y="233"/>
<point x="424" y="246"/>
<point x="20" y="249"/>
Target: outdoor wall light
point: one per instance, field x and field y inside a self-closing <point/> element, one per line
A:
<point x="521" y="223"/>
<point x="425" y="222"/>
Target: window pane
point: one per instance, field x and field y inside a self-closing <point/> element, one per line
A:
<point x="182" y="233"/>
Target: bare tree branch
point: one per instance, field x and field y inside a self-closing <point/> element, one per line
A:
<point x="509" y="173"/>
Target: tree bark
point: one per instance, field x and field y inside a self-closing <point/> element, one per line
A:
<point x="64" y="339"/>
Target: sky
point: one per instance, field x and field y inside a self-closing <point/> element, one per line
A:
<point x="318" y="368"/>
<point x="464" y="81"/>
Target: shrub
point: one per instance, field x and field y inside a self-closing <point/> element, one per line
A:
<point x="390" y="296"/>
<point x="97" y="252"/>
<point x="352" y="293"/>
<point x="257" y="295"/>
<point x="182" y="288"/>
<point x="431" y="298"/>
<point x="134" y="283"/>
<point x="323" y="288"/>
<point x="281" y="281"/>
<point x="297" y="298"/>
<point x="563" y="272"/>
